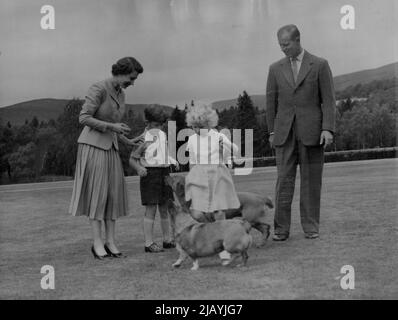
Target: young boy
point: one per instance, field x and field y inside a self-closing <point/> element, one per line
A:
<point x="152" y="163"/>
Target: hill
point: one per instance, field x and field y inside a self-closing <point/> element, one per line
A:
<point x="388" y="71"/>
<point x="46" y="109"/>
<point x="341" y="82"/>
<point x="257" y="99"/>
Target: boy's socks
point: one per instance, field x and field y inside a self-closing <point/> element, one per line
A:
<point x="165" y="225"/>
<point x="148" y="231"/>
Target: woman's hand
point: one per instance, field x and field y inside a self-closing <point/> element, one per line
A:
<point x="137" y="140"/>
<point x="121" y="128"/>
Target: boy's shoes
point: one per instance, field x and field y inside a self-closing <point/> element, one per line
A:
<point x="169" y="245"/>
<point x="153" y="248"/>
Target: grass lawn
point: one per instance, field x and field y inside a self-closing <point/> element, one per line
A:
<point x="358" y="227"/>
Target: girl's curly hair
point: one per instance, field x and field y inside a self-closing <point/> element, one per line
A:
<point x="201" y="115"/>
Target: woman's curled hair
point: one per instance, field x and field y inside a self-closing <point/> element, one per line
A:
<point x="126" y="66"/>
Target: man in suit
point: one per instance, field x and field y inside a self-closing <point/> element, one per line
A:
<point x="301" y="121"/>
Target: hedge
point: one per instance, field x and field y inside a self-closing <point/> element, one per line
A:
<point x="337" y="156"/>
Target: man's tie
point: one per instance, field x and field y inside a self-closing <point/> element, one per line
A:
<point x="294" y="69"/>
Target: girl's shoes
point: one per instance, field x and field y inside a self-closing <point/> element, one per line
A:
<point x="113" y="255"/>
<point x="153" y="248"/>
<point x="96" y="256"/>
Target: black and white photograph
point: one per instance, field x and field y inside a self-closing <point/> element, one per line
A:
<point x="215" y="150"/>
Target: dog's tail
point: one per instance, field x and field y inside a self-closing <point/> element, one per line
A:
<point x="250" y="241"/>
<point x="247" y="226"/>
<point x="268" y="202"/>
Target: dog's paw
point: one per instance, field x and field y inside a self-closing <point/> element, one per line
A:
<point x="176" y="265"/>
<point x="261" y="244"/>
<point x="226" y="262"/>
<point x="195" y="265"/>
<point x="241" y="266"/>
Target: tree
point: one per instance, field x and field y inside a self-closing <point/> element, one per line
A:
<point x="246" y="119"/>
<point x="383" y="127"/>
<point x="246" y="112"/>
<point x="360" y="124"/>
<point x="24" y="134"/>
<point x="45" y="138"/>
<point x="228" y="118"/>
<point x="22" y="161"/>
<point x="344" y="106"/>
<point x="68" y="128"/>
<point x="179" y="116"/>
<point x="35" y="122"/>
<point x="6" y="146"/>
<point x="52" y="123"/>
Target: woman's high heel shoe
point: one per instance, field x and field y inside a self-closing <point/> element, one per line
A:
<point x="114" y="255"/>
<point x="96" y="256"/>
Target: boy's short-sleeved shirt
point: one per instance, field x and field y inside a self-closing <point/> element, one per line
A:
<point x="154" y="151"/>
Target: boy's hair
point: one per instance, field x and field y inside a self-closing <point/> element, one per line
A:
<point x="202" y="115"/>
<point x="155" y="113"/>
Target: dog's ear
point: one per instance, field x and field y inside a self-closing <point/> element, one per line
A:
<point x="186" y="205"/>
<point x="180" y="190"/>
<point x="168" y="181"/>
<point x="269" y="203"/>
<point x="181" y="180"/>
<point x="171" y="205"/>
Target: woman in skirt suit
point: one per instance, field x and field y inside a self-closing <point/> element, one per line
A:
<point x="99" y="190"/>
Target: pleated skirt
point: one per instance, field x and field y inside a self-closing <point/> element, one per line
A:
<point x="99" y="190"/>
<point x="211" y="188"/>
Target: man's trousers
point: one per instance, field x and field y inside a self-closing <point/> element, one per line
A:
<point x="310" y="159"/>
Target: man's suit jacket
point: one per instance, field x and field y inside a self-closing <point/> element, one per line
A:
<point x="102" y="105"/>
<point x="310" y="101"/>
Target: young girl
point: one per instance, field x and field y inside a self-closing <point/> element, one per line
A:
<point x="209" y="183"/>
<point x="152" y="164"/>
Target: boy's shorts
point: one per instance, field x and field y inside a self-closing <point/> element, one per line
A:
<point x="153" y="187"/>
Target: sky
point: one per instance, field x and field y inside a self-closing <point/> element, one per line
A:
<point x="190" y="49"/>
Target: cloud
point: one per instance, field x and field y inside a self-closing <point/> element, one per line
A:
<point x="189" y="48"/>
